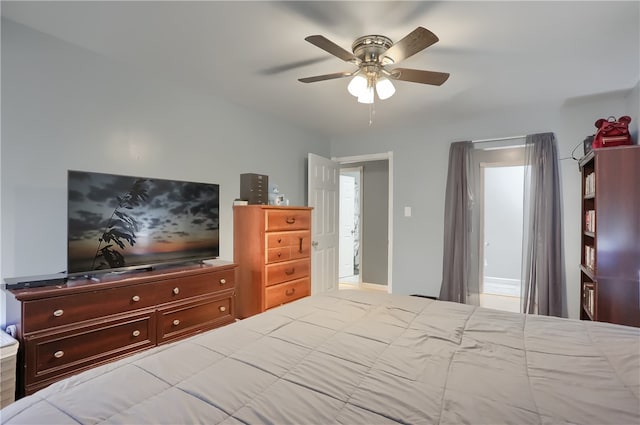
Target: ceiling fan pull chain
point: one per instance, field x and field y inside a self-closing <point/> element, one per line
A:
<point x="371" y="113"/>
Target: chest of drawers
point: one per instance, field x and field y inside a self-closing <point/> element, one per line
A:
<point x="272" y="247"/>
<point x="74" y="326"/>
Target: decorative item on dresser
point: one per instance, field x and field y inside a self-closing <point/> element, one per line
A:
<point x="254" y="188"/>
<point x="78" y="324"/>
<point x="610" y="253"/>
<point x="272" y="247"/>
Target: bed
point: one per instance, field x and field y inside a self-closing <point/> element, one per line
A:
<point x="353" y="357"/>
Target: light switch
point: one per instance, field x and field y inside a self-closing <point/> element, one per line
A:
<point x="407" y="211"/>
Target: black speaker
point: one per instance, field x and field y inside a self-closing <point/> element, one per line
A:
<point x="254" y="188"/>
<point x="588" y="144"/>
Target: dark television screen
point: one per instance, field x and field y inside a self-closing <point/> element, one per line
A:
<point x="123" y="222"/>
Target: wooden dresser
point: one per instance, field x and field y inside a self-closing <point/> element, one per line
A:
<point x="70" y="327"/>
<point x="272" y="247"/>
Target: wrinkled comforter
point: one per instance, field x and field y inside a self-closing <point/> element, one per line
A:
<point x="351" y="357"/>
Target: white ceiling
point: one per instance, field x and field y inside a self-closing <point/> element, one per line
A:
<point x="500" y="55"/>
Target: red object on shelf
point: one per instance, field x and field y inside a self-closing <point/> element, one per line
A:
<point x="612" y="132"/>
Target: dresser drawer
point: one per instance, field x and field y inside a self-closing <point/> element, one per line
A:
<point x="300" y="245"/>
<point x="63" y="310"/>
<point x="191" y="286"/>
<point x="296" y="239"/>
<point x="286" y="292"/>
<point x="192" y="317"/>
<point x="275" y="255"/>
<point x="282" y="246"/>
<point x="276" y="220"/>
<point x="53" y="354"/>
<point x="285" y="271"/>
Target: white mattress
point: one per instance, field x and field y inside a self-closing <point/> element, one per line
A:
<point x="353" y="357"/>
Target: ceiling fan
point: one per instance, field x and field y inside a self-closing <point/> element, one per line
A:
<point x="372" y="54"/>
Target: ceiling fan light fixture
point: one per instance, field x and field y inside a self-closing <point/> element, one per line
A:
<point x="366" y="96"/>
<point x="385" y="88"/>
<point x="358" y="86"/>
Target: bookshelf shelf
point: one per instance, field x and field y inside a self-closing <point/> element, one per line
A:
<point x="588" y="271"/>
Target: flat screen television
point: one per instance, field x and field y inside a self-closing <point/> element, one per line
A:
<point x="117" y="223"/>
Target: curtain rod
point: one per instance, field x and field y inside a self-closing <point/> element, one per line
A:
<point x="498" y="139"/>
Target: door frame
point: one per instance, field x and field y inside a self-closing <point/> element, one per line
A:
<point x="388" y="156"/>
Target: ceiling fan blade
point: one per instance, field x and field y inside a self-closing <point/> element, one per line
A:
<point x="417" y="40"/>
<point x="331" y="47"/>
<point x="325" y="77"/>
<point x="419" y="76"/>
<point x="293" y="65"/>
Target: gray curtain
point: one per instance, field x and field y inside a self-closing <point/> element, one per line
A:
<point x="457" y="222"/>
<point x="543" y="283"/>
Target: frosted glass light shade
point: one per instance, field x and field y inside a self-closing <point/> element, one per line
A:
<point x="366" y="96"/>
<point x="385" y="88"/>
<point x="357" y="86"/>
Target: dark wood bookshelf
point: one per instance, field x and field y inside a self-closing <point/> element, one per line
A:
<point x="610" y="249"/>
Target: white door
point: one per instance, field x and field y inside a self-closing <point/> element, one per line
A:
<point x="324" y="190"/>
<point x="347" y="225"/>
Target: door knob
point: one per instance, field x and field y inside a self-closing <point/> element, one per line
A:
<point x="314" y="244"/>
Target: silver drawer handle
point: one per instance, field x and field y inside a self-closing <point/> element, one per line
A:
<point x="58" y="313"/>
<point x="136" y="333"/>
<point x="223" y="308"/>
<point x="176" y="322"/>
<point x="135" y="298"/>
<point x="58" y="354"/>
<point x="223" y="281"/>
<point x="176" y="290"/>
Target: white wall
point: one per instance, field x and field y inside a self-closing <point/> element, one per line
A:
<point x="633" y="110"/>
<point x="66" y="108"/>
<point x="421" y="160"/>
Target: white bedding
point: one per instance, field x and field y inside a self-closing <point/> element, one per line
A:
<point x="352" y="357"/>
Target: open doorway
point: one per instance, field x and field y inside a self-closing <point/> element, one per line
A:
<point x="349" y="246"/>
<point x="364" y="248"/>
<point x="323" y="195"/>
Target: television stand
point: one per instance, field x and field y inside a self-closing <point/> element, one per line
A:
<point x="78" y="324"/>
<point x="35" y="281"/>
<point x="97" y="277"/>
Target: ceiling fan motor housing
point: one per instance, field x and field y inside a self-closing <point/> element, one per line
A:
<point x="369" y="48"/>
